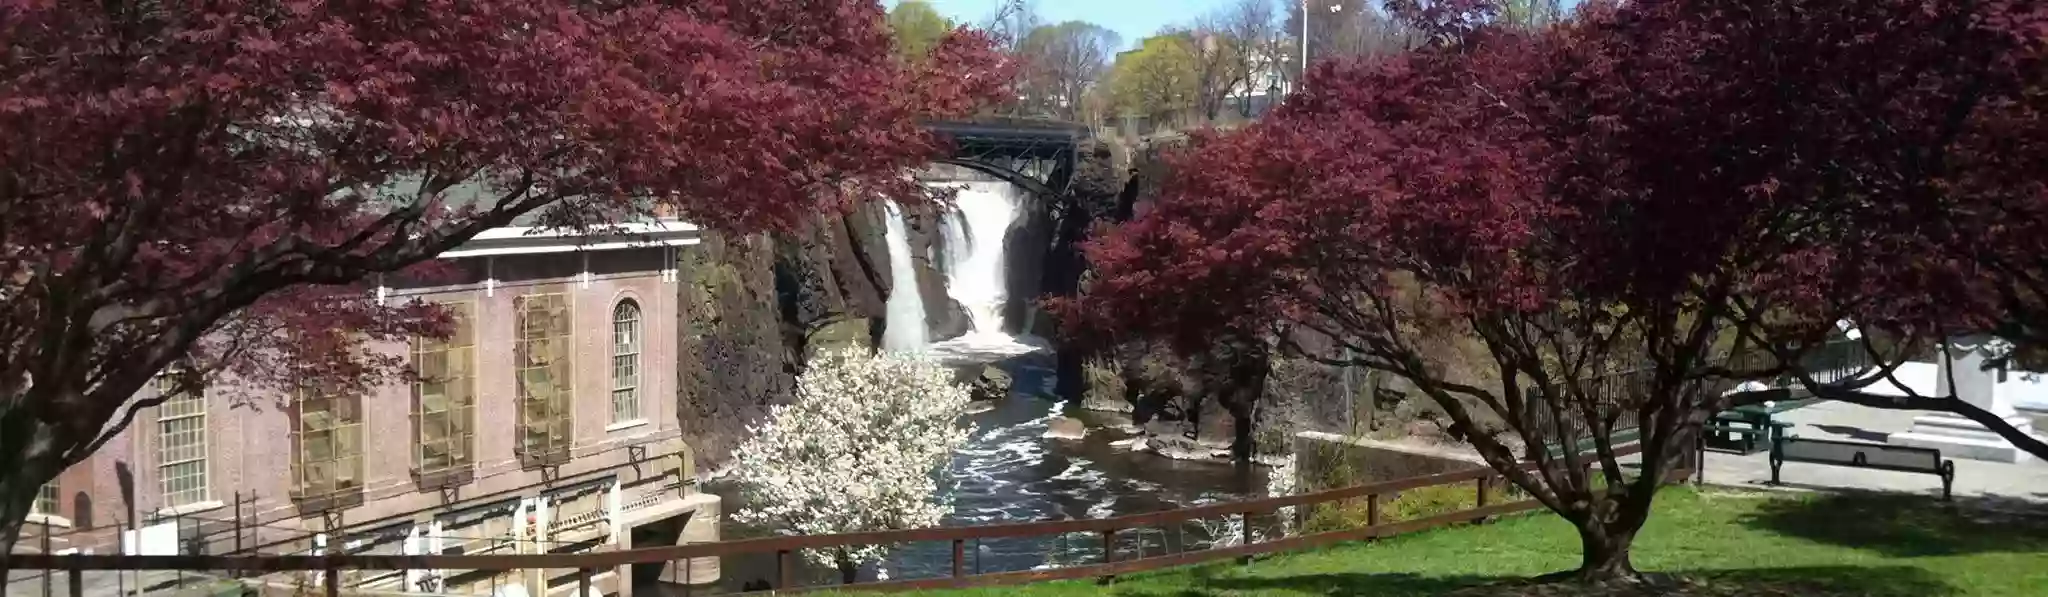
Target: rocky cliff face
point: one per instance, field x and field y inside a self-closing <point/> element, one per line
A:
<point x="923" y="224"/>
<point x="731" y="362"/>
<point x="831" y="282"/>
<point x="1207" y="398"/>
<point x="757" y="307"/>
<point x="1095" y="195"/>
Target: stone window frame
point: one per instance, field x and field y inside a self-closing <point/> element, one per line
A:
<point x="543" y="369"/>
<point x="457" y="423"/>
<point x="327" y="449"/>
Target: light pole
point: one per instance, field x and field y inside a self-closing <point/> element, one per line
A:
<point x="1304" y="44"/>
<point x="1304" y="38"/>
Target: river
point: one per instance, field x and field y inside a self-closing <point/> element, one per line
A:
<point x="1010" y="472"/>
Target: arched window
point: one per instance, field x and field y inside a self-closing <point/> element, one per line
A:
<point x="626" y="362"/>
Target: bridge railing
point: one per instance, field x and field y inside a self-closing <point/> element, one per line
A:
<point x="326" y="571"/>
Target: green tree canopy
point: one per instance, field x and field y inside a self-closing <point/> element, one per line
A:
<point x="1156" y="80"/>
<point x="917" y="27"/>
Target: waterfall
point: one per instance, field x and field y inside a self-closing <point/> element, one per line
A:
<point x="976" y="264"/>
<point x="905" y="327"/>
<point x="976" y="275"/>
<point x="973" y="260"/>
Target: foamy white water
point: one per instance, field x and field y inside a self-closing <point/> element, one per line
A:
<point x="976" y="266"/>
<point x="978" y="347"/>
<point x="904" y="327"/>
<point x="977" y="272"/>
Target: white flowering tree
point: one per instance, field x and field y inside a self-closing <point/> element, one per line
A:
<point x="1284" y="480"/>
<point x="861" y="448"/>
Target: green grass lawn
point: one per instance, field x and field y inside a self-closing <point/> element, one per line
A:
<point x="1722" y="542"/>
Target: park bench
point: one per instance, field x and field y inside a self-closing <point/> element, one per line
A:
<point x="1907" y="459"/>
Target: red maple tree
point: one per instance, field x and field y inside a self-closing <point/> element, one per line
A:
<point x="1626" y="216"/>
<point x="204" y="184"/>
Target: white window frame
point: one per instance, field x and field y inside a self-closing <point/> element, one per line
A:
<point x="628" y="323"/>
<point x="173" y="417"/>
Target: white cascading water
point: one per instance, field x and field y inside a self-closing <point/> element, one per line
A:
<point x="977" y="273"/>
<point x="974" y="232"/>
<point x="904" y="327"/>
<point x="973" y="235"/>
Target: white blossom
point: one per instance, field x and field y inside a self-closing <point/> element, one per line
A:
<point x="1227" y="531"/>
<point x="860" y="449"/>
<point x="1283" y="481"/>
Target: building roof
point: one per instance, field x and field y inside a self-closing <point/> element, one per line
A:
<point x="529" y="240"/>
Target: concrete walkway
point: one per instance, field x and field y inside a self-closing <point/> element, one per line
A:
<point x="1997" y="481"/>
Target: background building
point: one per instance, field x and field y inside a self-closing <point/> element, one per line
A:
<point x="546" y="424"/>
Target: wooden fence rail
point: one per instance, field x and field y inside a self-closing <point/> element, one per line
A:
<point x="1480" y="479"/>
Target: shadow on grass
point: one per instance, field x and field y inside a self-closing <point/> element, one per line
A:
<point x="1376" y="585"/>
<point x="1215" y="581"/>
<point x="1908" y="525"/>
<point x="1873" y="581"/>
<point x="1816" y="581"/>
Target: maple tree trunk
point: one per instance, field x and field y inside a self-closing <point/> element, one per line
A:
<point x="12" y="512"/>
<point x="849" y="572"/>
<point x="1604" y="555"/>
<point x="1607" y="530"/>
<point x="28" y="458"/>
<point x="17" y="494"/>
<point x="1242" y="444"/>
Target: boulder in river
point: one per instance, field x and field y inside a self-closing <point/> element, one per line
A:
<point x="1180" y="448"/>
<point x="992" y="384"/>
<point x="1065" y="428"/>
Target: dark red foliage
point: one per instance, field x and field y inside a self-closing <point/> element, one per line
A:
<point x="1814" y="159"/>
<point x="1652" y="188"/>
<point x="207" y="179"/>
<point x="1380" y="165"/>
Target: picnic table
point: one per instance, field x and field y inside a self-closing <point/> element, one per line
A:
<point x="1748" y="429"/>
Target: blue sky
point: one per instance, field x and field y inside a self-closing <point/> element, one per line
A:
<point x="1131" y="19"/>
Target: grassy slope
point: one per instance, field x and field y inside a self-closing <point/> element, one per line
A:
<point x="1738" y="543"/>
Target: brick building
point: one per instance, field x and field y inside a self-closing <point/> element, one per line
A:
<point x="546" y="424"/>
